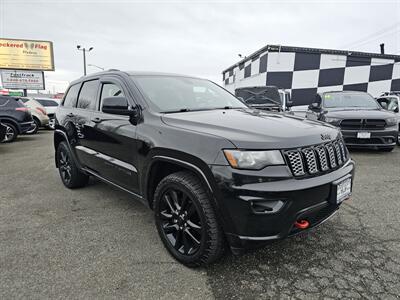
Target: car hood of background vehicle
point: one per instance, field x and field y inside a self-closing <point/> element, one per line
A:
<point x="360" y="114"/>
<point x="254" y="129"/>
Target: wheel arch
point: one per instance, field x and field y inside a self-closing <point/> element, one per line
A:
<point x="161" y="166"/>
<point x="11" y="121"/>
<point x="61" y="136"/>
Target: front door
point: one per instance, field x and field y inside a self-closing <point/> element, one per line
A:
<point x="113" y="138"/>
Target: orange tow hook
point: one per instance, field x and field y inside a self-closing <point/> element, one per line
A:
<point x="301" y="224"/>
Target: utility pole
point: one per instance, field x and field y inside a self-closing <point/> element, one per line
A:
<point x="84" y="56"/>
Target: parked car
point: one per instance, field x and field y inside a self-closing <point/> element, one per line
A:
<point x="3" y="130"/>
<point x="391" y="101"/>
<point x="213" y="170"/>
<point x="51" y="106"/>
<point x="262" y="97"/>
<point x="16" y="116"/>
<point x="361" y="119"/>
<point x="39" y="114"/>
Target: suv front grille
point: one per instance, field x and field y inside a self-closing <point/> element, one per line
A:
<point x="317" y="159"/>
<point x="354" y="124"/>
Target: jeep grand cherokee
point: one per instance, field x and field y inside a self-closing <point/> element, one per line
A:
<point x="214" y="171"/>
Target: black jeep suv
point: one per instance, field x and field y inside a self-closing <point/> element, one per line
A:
<point x="15" y="116"/>
<point x="213" y="170"/>
<point x="364" y="123"/>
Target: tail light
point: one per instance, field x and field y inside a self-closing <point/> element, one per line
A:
<point x="41" y="110"/>
<point x="22" y="109"/>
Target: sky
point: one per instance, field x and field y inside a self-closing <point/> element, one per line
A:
<point x="199" y="38"/>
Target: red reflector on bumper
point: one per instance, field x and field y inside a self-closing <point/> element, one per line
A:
<point x="301" y="224"/>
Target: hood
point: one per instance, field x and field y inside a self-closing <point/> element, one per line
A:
<point x="360" y="114"/>
<point x="254" y="129"/>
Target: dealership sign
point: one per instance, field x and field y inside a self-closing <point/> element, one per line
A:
<point x="30" y="80"/>
<point x="26" y="55"/>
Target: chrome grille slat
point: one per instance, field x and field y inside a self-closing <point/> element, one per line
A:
<point x="317" y="159"/>
<point x="311" y="160"/>
<point x="323" y="161"/>
<point x="338" y="153"/>
<point x="296" y="162"/>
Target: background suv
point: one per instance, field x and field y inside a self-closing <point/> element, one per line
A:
<point x="391" y="102"/>
<point x="361" y="119"/>
<point x="214" y="171"/>
<point x="16" y="116"/>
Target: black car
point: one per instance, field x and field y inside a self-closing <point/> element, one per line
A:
<point x="3" y="130"/>
<point x="361" y="119"/>
<point x="16" y="116"/>
<point x="213" y="170"/>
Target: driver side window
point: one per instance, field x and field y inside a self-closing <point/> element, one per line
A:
<point x="110" y="90"/>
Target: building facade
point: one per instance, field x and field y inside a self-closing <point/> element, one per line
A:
<point x="307" y="71"/>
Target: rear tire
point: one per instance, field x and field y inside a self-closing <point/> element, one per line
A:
<point x="186" y="220"/>
<point x="11" y="133"/>
<point x="36" y="128"/>
<point x="70" y="175"/>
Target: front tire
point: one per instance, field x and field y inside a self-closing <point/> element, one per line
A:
<point x="186" y="221"/>
<point x="70" y="175"/>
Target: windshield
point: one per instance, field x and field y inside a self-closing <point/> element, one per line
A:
<point x="174" y="94"/>
<point x="343" y="100"/>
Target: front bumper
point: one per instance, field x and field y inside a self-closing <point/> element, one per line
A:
<point x="379" y="138"/>
<point x="259" y="212"/>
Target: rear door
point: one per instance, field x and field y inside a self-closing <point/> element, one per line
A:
<point x="79" y="121"/>
<point x="114" y="138"/>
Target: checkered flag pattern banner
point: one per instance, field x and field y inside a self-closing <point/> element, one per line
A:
<point x="305" y="74"/>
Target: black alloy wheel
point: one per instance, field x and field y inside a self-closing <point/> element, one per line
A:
<point x="70" y="174"/>
<point x="186" y="220"/>
<point x="64" y="164"/>
<point x="181" y="222"/>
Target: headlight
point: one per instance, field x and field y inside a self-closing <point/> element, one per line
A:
<point x="391" y="121"/>
<point x="255" y="160"/>
<point x="332" y="120"/>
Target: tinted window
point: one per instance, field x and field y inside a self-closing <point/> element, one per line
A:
<point x="47" y="102"/>
<point x="111" y="90"/>
<point x="71" y="96"/>
<point x="87" y="96"/>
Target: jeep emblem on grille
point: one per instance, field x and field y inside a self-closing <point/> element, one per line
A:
<point x="325" y="137"/>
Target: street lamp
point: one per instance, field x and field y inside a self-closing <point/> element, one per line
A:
<point x="84" y="56"/>
<point x="92" y="65"/>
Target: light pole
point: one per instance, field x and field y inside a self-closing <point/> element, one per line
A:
<point x="92" y="65"/>
<point x="84" y="56"/>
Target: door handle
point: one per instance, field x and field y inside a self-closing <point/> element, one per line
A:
<point x="70" y="115"/>
<point x="96" y="120"/>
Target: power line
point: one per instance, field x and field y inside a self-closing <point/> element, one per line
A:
<point x="373" y="35"/>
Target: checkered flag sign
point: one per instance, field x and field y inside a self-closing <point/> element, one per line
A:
<point x="306" y="71"/>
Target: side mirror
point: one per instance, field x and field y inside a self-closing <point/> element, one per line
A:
<point x="314" y="106"/>
<point x="120" y="106"/>
<point x="384" y="105"/>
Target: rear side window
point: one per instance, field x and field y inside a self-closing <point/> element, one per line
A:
<point x="47" y="102"/>
<point x="88" y="94"/>
<point x="10" y="102"/>
<point x="71" y="96"/>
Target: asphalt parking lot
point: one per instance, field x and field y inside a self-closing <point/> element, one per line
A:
<point x="98" y="243"/>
